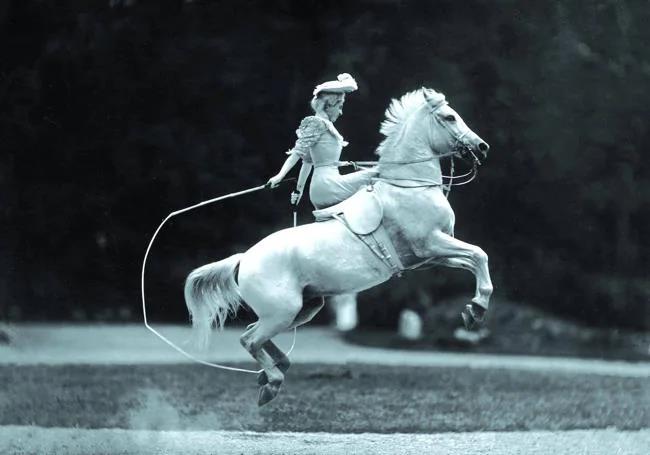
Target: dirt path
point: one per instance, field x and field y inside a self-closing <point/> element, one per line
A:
<point x="134" y="344"/>
<point x="40" y="351"/>
<point x="43" y="441"/>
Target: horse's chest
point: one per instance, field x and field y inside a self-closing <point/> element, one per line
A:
<point x="411" y="220"/>
<point x="426" y="212"/>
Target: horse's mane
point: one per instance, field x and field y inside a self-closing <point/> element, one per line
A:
<point x="399" y="110"/>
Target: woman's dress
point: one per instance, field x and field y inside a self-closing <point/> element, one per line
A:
<point x="320" y="144"/>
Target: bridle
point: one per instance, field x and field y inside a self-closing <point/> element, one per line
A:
<point x="459" y="149"/>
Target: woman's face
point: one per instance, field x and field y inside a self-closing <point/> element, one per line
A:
<point x="335" y="110"/>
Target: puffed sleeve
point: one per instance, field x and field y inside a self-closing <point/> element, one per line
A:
<point x="310" y="130"/>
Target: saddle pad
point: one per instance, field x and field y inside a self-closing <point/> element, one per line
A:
<point x="363" y="212"/>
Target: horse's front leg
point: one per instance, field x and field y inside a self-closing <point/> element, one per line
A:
<point x="447" y="250"/>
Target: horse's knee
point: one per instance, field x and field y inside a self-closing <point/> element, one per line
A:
<point x="251" y="340"/>
<point x="247" y="342"/>
<point x="480" y="256"/>
<point x="486" y="290"/>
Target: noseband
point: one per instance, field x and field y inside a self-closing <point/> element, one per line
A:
<point x="459" y="147"/>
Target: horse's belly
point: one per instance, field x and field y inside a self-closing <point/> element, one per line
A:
<point x="337" y="261"/>
<point x="322" y="258"/>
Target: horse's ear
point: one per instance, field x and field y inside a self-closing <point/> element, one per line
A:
<point x="427" y="95"/>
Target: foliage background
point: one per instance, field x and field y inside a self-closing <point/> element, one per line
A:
<point x="115" y="113"/>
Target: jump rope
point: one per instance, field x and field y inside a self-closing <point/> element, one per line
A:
<point x="360" y="164"/>
<point x="144" y="265"/>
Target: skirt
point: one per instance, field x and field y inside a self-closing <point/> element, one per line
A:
<point x="328" y="187"/>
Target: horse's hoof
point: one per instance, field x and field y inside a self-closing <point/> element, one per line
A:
<point x="283" y="365"/>
<point x="267" y="393"/>
<point x="473" y="316"/>
<point x="262" y="379"/>
<point x="468" y="320"/>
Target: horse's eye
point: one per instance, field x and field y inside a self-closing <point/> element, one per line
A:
<point x="450" y="118"/>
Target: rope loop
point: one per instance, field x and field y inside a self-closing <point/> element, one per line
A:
<point x="144" y="264"/>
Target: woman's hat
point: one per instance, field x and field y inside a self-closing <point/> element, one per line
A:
<point x="344" y="84"/>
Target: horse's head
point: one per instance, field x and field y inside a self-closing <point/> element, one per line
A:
<point x="421" y="123"/>
<point x="449" y="134"/>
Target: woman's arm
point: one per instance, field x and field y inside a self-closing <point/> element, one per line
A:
<point x="289" y="163"/>
<point x="302" y="178"/>
<point x="310" y="130"/>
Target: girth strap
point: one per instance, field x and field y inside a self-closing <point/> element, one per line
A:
<point x="380" y="244"/>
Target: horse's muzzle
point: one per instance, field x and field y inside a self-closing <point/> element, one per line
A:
<point x="483" y="148"/>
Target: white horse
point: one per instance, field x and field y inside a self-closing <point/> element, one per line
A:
<point x="277" y="276"/>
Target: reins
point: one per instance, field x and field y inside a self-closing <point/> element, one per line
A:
<point x="469" y="175"/>
<point x="144" y="264"/>
<point x="458" y="148"/>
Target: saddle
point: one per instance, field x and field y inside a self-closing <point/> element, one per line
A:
<point x="362" y="213"/>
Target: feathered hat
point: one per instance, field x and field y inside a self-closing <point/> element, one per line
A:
<point x="344" y="84"/>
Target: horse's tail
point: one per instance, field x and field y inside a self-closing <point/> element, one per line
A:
<point x="211" y="294"/>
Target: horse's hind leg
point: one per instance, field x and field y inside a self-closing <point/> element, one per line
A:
<point x="279" y="358"/>
<point x="254" y="340"/>
<point x="306" y="314"/>
<point x="308" y="311"/>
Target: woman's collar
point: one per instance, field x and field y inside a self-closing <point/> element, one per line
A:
<point x="332" y="129"/>
<point x="323" y="116"/>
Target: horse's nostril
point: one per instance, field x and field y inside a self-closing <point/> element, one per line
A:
<point x="483" y="147"/>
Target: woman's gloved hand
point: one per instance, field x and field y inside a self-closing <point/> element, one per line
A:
<point x="274" y="181"/>
<point x="295" y="197"/>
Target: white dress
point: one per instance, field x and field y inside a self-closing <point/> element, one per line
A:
<point x="320" y="144"/>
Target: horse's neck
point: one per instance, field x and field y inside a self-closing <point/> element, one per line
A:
<point x="417" y="169"/>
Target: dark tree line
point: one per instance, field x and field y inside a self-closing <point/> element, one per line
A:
<point x="113" y="114"/>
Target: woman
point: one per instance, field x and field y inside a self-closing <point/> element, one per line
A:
<point x="319" y="146"/>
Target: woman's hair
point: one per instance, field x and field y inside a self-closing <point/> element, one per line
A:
<point x="325" y="100"/>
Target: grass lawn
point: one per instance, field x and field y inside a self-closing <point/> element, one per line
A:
<point x="351" y="398"/>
